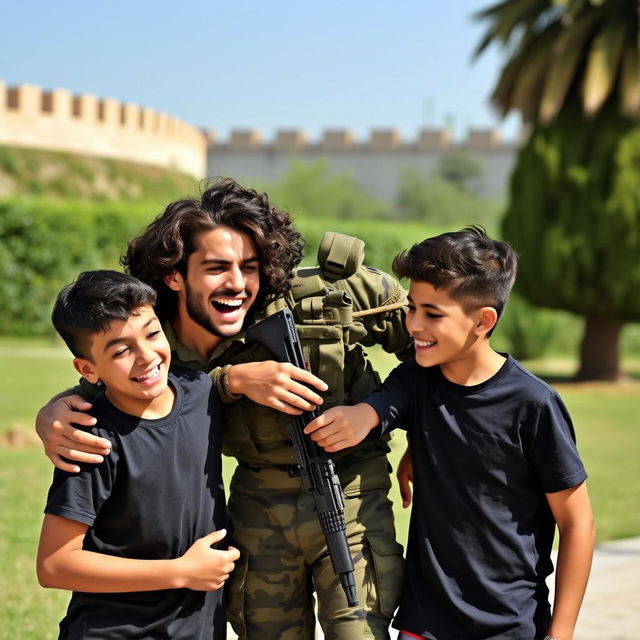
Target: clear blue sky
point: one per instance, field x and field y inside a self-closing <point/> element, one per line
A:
<point x="255" y="63"/>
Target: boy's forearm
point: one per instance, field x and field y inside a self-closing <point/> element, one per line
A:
<point x="81" y="570"/>
<point x="344" y="426"/>
<point x="575" y="552"/>
<point x="572" y="574"/>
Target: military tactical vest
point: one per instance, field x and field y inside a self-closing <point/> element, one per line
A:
<point x="335" y="306"/>
<point x="339" y="307"/>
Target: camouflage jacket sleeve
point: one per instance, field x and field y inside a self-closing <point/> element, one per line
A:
<point x="379" y="302"/>
<point x="221" y="383"/>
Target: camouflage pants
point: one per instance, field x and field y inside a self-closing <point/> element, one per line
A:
<point x="284" y="557"/>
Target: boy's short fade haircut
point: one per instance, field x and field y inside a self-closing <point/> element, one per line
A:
<point x="474" y="269"/>
<point x="91" y="303"/>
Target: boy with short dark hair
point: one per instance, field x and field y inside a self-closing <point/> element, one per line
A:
<point x="132" y="537"/>
<point x="495" y="466"/>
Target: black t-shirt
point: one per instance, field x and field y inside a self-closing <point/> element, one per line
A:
<point x="481" y="530"/>
<point x="158" y="491"/>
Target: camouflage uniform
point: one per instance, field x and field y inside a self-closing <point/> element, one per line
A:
<point x="284" y="558"/>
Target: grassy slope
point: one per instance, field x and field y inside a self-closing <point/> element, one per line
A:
<point x="36" y="172"/>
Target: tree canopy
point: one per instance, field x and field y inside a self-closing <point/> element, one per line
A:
<point x="560" y="48"/>
<point x="573" y="72"/>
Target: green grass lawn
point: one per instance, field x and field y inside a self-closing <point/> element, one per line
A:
<point x="606" y="424"/>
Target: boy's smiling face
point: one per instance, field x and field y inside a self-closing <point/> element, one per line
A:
<point x="444" y="332"/>
<point x="132" y="359"/>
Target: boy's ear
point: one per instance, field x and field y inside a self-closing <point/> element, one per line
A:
<point x="174" y="281"/>
<point x="487" y="318"/>
<point x="86" y="369"/>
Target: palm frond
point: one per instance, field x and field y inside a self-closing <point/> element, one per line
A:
<point x="565" y="58"/>
<point x="558" y="47"/>
<point x="602" y="67"/>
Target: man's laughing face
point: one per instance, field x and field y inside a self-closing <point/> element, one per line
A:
<point x="222" y="281"/>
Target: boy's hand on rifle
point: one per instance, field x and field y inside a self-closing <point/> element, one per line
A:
<point x="342" y="427"/>
<point x="203" y="568"/>
<point x="57" y="425"/>
<point x="279" y="385"/>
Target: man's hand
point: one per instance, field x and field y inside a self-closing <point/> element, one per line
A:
<point x="56" y="424"/>
<point x="342" y="427"/>
<point x="405" y="477"/>
<point x="279" y="385"/>
<point x="204" y="568"/>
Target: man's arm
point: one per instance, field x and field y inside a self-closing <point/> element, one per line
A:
<point x="571" y="509"/>
<point x="63" y="564"/>
<point x="57" y="426"/>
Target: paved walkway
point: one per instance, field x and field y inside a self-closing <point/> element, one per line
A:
<point x="611" y="608"/>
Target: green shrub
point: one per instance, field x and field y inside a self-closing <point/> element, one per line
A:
<point x="527" y="332"/>
<point x="438" y="201"/>
<point x="630" y="343"/>
<point x="383" y="238"/>
<point x="8" y="162"/>
<point x="311" y="189"/>
<point x="45" y="244"/>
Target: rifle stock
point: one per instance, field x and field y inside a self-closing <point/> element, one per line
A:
<point x="279" y="335"/>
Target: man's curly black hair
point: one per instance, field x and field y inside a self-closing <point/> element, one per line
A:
<point x="166" y="244"/>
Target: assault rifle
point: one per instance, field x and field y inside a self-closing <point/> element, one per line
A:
<point x="278" y="334"/>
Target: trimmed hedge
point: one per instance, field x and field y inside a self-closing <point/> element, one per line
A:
<point x="45" y="244"/>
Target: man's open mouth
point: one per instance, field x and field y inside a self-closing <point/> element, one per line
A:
<point x="226" y="305"/>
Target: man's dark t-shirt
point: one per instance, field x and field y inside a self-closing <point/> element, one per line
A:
<point x="481" y="529"/>
<point x="158" y="491"/>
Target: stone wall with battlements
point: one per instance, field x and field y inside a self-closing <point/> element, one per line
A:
<point x="60" y="121"/>
<point x="375" y="163"/>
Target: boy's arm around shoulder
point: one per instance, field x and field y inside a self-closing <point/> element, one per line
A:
<point x="571" y="509"/>
<point x="62" y="563"/>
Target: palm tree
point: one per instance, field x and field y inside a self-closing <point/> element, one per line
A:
<point x="573" y="71"/>
<point x="559" y="47"/>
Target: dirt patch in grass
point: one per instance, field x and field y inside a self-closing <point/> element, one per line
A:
<point x="19" y="437"/>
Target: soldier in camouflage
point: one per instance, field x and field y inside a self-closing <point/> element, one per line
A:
<point x="217" y="264"/>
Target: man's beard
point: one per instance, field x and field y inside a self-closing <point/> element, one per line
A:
<point x="199" y="314"/>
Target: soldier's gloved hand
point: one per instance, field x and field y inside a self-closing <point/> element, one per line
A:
<point x="341" y="427"/>
<point x="405" y="477"/>
<point x="57" y="425"/>
<point x="279" y="385"/>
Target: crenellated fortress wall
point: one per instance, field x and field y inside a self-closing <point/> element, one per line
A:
<point x="376" y="163"/>
<point x="60" y="121"/>
<point x="84" y="124"/>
